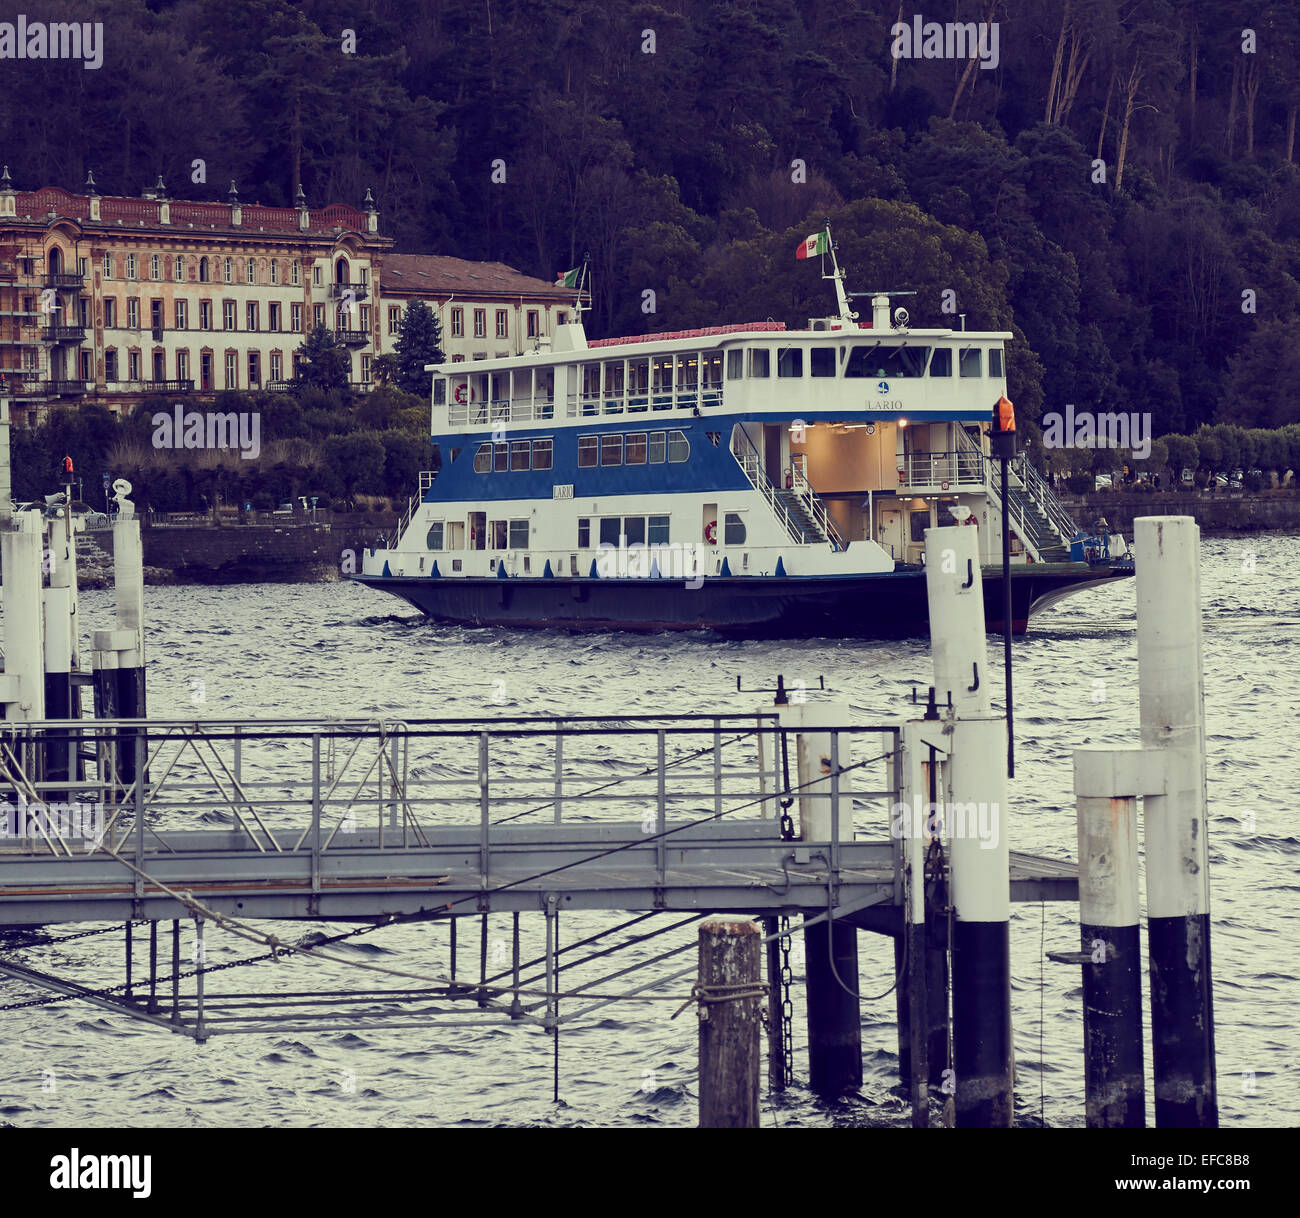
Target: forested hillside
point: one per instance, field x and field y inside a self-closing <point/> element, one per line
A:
<point x="688" y="146"/>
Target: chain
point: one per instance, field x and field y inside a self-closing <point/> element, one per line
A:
<point x="787" y="1007"/>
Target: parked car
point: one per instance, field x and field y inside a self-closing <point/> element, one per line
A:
<point x="1104" y="483"/>
<point x="1189" y="477"/>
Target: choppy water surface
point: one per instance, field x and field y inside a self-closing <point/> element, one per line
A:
<point x="273" y="650"/>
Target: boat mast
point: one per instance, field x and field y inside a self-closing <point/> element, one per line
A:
<point x="847" y="316"/>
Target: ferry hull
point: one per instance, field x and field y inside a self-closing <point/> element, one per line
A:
<point x="888" y="605"/>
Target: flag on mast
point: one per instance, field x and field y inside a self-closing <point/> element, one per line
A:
<point x="814" y="244"/>
<point x="568" y="279"/>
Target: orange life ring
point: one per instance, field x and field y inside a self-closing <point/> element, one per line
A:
<point x="464" y="393"/>
<point x="711" y="532"/>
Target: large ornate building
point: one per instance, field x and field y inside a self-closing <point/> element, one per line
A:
<point x="111" y="299"/>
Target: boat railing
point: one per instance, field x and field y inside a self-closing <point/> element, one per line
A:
<point x="501" y="410"/>
<point x="1025" y="526"/>
<point x="1043" y="495"/>
<point x="742" y="448"/>
<point x="706" y="396"/>
<point x="815" y="507"/>
<point x="944" y="469"/>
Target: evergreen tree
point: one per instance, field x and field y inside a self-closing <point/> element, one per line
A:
<point x="419" y="342"/>
<point x="322" y="363"/>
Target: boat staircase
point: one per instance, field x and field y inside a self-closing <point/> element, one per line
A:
<point x="1037" y="516"/>
<point x="801" y="513"/>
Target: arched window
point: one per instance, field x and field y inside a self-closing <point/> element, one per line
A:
<point x="203" y="270"/>
<point x="341" y="271"/>
<point x="56" y="260"/>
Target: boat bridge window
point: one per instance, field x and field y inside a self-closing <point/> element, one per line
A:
<point x="758" y="361"/>
<point x="634" y="530"/>
<point x="941" y="364"/>
<point x="439" y="390"/>
<point x="733" y="529"/>
<point x="433" y="539"/>
<point x="969" y="361"/>
<point x="789" y="361"/>
<point x="995" y="361"/>
<point x="735" y="364"/>
<point x="519" y="534"/>
<point x="890" y="360"/>
<point x="821" y="361"/>
<point x="584" y="533"/>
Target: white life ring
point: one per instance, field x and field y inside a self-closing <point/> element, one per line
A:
<point x="464" y="393"/>
<point x="711" y="532"/>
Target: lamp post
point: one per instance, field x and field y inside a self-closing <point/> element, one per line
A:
<point x="1002" y="440"/>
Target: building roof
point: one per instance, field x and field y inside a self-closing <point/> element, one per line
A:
<point x="437" y="275"/>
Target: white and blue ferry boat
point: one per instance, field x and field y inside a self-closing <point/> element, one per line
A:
<point x="749" y="479"/>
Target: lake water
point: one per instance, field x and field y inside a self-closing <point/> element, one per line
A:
<point x="277" y="650"/>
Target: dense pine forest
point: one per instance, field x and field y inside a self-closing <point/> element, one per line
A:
<point x="1119" y="187"/>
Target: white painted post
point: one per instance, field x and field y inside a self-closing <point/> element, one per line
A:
<point x="975" y="823"/>
<point x="24" y="672"/>
<point x="1171" y="700"/>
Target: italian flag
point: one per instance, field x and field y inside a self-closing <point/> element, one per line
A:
<point x="568" y="279"/>
<point x="817" y="243"/>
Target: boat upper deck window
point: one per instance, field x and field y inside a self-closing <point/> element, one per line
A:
<point x="542" y="450"/>
<point x="758" y="361"/>
<point x="483" y="459"/>
<point x="636" y="448"/>
<point x="439" y="390"/>
<point x="733" y="529"/>
<point x="789" y="361"/>
<point x="735" y="364"/>
<point x="941" y="364"/>
<point x="821" y="361"/>
<point x="658" y="447"/>
<point x="679" y="448"/>
<point x="969" y="362"/>
<point x="520" y="452"/>
<point x="892" y="360"/>
<point x="995" y="361"/>
<point x="501" y="458"/>
<point x="611" y="450"/>
<point x="588" y="448"/>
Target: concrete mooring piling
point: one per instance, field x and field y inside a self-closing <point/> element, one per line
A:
<point x="831" y="947"/>
<point x="730" y="995"/>
<point x="119" y="659"/>
<point x="62" y="645"/>
<point x="23" y="690"/>
<point x="1111" y="956"/>
<point x="1171" y="699"/>
<point x="974" y="819"/>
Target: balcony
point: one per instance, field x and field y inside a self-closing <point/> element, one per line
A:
<point x="65" y="282"/>
<point x="63" y="334"/>
<point x="943" y="471"/>
<point x="338" y="291"/>
<point x="149" y="386"/>
<point x="278" y="386"/>
<point x="20" y="384"/>
<point x="67" y="389"/>
<point x="352" y="338"/>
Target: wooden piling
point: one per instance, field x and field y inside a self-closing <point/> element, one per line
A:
<point x="730" y="994"/>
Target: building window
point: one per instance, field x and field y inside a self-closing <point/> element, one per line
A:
<point x="232" y="370"/>
<point x="254" y="370"/>
<point x="182" y="315"/>
<point x="295" y="273"/>
<point x="159" y="364"/>
<point x="503" y="324"/>
<point x="273" y="318"/>
<point x="295" y="318"/>
<point x="252" y="271"/>
<point x="561" y="317"/>
<point x="275" y="271"/>
<point x="110" y="364"/>
<point x="110" y="312"/>
<point x="365" y="370"/>
<point x="130" y="266"/>
<point x="365" y="318"/>
<point x="315" y="275"/>
<point x="156" y="317"/>
<point x="458" y="323"/>
<point x="182" y="365"/>
<point x="534" y="323"/>
<point x="318" y="315"/>
<point x="228" y="270"/>
<point x="133" y="366"/>
<point x="364" y="274"/>
<point x="205" y="273"/>
<point x="133" y="314"/>
<point x="179" y="269"/>
<point x="83" y="267"/>
<point x="205" y="370"/>
<point x="519" y="535"/>
<point x="155" y="267"/>
<point x="252" y="315"/>
<point x="228" y="318"/>
<point x="205" y="315"/>
<point x="108" y="266"/>
<point x="480" y="323"/>
<point x="394" y="318"/>
<point x="277" y="366"/>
